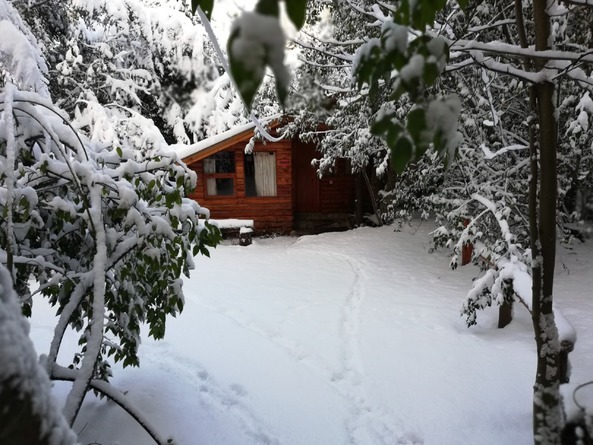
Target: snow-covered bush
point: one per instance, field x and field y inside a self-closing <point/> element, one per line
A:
<point x="99" y="220"/>
<point x="107" y="63"/>
<point x="106" y="232"/>
<point x="132" y="57"/>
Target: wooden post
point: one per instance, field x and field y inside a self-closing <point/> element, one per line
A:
<point x="505" y="314"/>
<point x="358" y="209"/>
<point x="467" y="249"/>
<point x="563" y="363"/>
<point x="245" y="236"/>
<point x="505" y="311"/>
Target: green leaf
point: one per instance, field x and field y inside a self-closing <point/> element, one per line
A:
<point x="439" y="141"/>
<point x="382" y="125"/>
<point x="297" y="11"/>
<point x="23" y="202"/>
<point x="131" y="361"/>
<point x="417" y="125"/>
<point x="463" y="3"/>
<point x="247" y="73"/>
<point x="393" y="134"/>
<point x="402" y="15"/>
<point x="26" y="310"/>
<point x="418" y="14"/>
<point x="204" y="251"/>
<point x="268" y="7"/>
<point x="398" y="89"/>
<point x="431" y="73"/>
<point x="369" y="64"/>
<point x="282" y="77"/>
<point x="205" y="5"/>
<point x="401" y="154"/>
<point x="119" y="152"/>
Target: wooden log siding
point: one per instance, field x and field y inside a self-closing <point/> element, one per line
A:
<point x="270" y="213"/>
<point x="298" y="189"/>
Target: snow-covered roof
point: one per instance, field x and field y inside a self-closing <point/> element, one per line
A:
<point x="211" y="145"/>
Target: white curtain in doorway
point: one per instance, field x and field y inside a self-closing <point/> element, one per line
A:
<point x="265" y="173"/>
<point x="210" y="167"/>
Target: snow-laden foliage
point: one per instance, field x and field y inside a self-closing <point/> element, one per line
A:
<point x="28" y="413"/>
<point x="21" y="59"/>
<point x="134" y="57"/>
<point x="115" y="66"/>
<point x="106" y="232"/>
<point x="492" y="160"/>
<point x="326" y="93"/>
<point x="93" y="202"/>
<point x="256" y="42"/>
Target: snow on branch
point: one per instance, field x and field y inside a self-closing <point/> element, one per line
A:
<point x="503" y="225"/>
<point x="20" y="55"/>
<point x="504" y="272"/>
<point x="107" y="231"/>
<point x="508" y="275"/>
<point x="496" y="24"/>
<point x="334" y="42"/>
<point x="580" y="2"/>
<point x="488" y="154"/>
<point x="95" y="337"/>
<point x="506" y="49"/>
<point x="340" y="56"/>
<point x="60" y="373"/>
<point x="375" y="14"/>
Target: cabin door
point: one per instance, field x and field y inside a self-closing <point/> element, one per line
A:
<point x="306" y="180"/>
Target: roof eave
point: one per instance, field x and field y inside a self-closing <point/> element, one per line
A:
<point x="226" y="143"/>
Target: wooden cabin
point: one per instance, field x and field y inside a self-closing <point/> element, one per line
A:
<point x="275" y="185"/>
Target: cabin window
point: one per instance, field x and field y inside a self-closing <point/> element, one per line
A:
<point x="219" y="172"/>
<point x="260" y="174"/>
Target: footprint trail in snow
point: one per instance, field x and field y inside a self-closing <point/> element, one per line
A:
<point x="368" y="424"/>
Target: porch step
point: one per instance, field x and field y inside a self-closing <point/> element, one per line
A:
<point x="313" y="223"/>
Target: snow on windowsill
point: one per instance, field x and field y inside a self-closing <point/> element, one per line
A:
<point x="233" y="224"/>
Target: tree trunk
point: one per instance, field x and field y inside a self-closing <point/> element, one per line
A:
<point x="547" y="403"/>
<point x="548" y="413"/>
<point x="358" y="209"/>
<point x="372" y="195"/>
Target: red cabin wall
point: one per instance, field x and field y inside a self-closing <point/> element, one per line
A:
<point x="270" y="213"/>
<point x="335" y="192"/>
<point x="298" y="188"/>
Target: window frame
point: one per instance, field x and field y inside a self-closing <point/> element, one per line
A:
<point x="269" y="152"/>
<point x="232" y="176"/>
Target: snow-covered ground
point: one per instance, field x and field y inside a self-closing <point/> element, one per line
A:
<point x="340" y="338"/>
